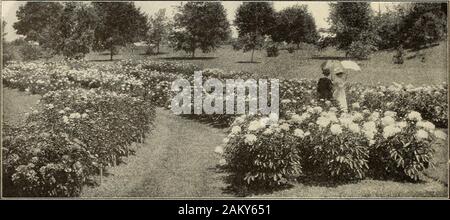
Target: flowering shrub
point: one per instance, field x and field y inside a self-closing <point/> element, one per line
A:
<point x="261" y="154"/>
<point x="184" y="69"/>
<point x="430" y="101"/>
<point x="72" y="135"/>
<point x="318" y="140"/>
<point x="403" y="146"/>
<point x="153" y="79"/>
<point x="39" y="163"/>
<point x="335" y="146"/>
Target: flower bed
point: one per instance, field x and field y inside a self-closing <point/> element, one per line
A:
<point x="384" y="135"/>
<point x="73" y="135"/>
<point x="319" y="141"/>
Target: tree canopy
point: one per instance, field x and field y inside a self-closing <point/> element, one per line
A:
<point x="294" y="25"/>
<point x="202" y="25"/>
<point x="254" y="20"/>
<point x="119" y="23"/>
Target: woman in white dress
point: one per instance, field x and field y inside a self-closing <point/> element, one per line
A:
<point x="339" y="78"/>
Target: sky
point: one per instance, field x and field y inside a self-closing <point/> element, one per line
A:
<point x="319" y="10"/>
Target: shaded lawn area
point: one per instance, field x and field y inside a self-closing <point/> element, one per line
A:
<point x="305" y="63"/>
<point x="16" y="104"/>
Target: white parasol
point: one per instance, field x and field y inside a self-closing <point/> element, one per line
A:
<point x="350" y="65"/>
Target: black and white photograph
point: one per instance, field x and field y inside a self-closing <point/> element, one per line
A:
<point x="229" y="100"/>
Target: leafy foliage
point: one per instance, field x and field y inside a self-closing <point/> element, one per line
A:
<point x="253" y="22"/>
<point x="158" y="29"/>
<point x="422" y="24"/>
<point x="74" y="34"/>
<point x="64" y="143"/>
<point x="202" y="25"/>
<point x="348" y="20"/>
<point x="294" y="25"/>
<point x="35" y="23"/>
<point x="119" y="23"/>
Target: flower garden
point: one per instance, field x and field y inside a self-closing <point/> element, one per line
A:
<point x="90" y="115"/>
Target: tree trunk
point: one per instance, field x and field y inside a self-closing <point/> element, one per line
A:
<point x="111" y="54"/>
<point x="157" y="48"/>
<point x="193" y="52"/>
<point x="253" y="52"/>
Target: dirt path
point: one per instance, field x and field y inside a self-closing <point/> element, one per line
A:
<point x="176" y="160"/>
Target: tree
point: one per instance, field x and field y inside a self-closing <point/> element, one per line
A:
<point x="254" y="20"/>
<point x="422" y="24"/>
<point x="295" y="25"/>
<point x="202" y="25"/>
<point x="119" y="23"/>
<point x="6" y="55"/>
<point x="387" y="28"/>
<point x="69" y="32"/>
<point x="74" y="34"/>
<point x="158" y="29"/>
<point x="349" y="22"/>
<point x="37" y="21"/>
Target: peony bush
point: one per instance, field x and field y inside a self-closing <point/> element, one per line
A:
<point x="318" y="141"/>
<point x="72" y="135"/>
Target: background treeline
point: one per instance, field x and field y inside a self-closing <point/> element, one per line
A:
<point x="77" y="28"/>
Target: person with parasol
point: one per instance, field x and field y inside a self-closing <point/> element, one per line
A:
<point x="339" y="75"/>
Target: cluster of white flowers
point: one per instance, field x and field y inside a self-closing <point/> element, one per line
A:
<point x="370" y="130"/>
<point x="421" y="134"/>
<point x="391" y="130"/>
<point x="426" y="125"/>
<point x="250" y="139"/>
<point x="387" y="120"/>
<point x="255" y="125"/>
<point x="336" y="129"/>
<point x="300" y="133"/>
<point x="323" y="121"/>
<point x="414" y="116"/>
<point x="235" y="130"/>
<point x="285" y="126"/>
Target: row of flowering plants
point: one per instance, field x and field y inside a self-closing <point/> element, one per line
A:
<point x="71" y="136"/>
<point x="153" y="79"/>
<point x="41" y="77"/>
<point x="318" y="141"/>
<point x="431" y="100"/>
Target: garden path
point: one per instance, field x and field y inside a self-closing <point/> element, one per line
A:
<point x="176" y="160"/>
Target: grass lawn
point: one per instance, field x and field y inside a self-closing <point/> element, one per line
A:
<point x="365" y="188"/>
<point x="305" y="63"/>
<point x="16" y="104"/>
